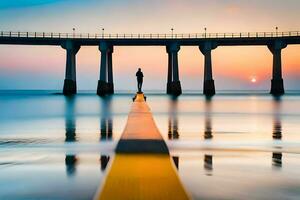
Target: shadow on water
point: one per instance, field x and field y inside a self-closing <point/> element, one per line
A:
<point x="106" y="127"/>
<point x="277" y="130"/>
<point x="71" y="160"/>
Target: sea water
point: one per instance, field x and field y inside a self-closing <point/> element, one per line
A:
<point x="235" y="145"/>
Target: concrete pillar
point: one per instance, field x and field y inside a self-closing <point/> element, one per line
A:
<point x="175" y="66"/>
<point x="209" y="85"/>
<point x="104" y="86"/>
<point x="170" y="72"/>
<point x="277" y="87"/>
<point x="110" y="71"/>
<point x="173" y="85"/>
<point x="70" y="75"/>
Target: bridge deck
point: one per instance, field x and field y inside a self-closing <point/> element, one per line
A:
<point x="140" y="174"/>
<point x="247" y="41"/>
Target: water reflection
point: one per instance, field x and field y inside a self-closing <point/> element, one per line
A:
<point x="277" y="159"/>
<point x="173" y="120"/>
<point x="208" y="159"/>
<point x="173" y="133"/>
<point x="208" y="164"/>
<point x="277" y="131"/>
<point x="70" y="122"/>
<point x="208" y="124"/>
<point x="277" y="127"/>
<point x="70" y="135"/>
<point x="71" y="163"/>
<point x="106" y="123"/>
<point x="106" y="127"/>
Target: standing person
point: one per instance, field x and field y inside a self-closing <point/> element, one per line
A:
<point x="139" y="75"/>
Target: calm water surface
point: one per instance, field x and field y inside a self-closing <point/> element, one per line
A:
<point x="233" y="146"/>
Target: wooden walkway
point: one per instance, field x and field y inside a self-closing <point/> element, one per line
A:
<point x="142" y="167"/>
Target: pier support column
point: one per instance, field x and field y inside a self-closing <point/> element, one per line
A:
<point x="110" y="71"/>
<point x="70" y="75"/>
<point x="105" y="83"/>
<point x="209" y="85"/>
<point x="173" y="85"/>
<point x="277" y="87"/>
<point x="170" y="73"/>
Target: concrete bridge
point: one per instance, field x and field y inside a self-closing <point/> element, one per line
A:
<point x="71" y="42"/>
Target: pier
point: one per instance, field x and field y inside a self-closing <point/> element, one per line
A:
<point x="207" y="42"/>
<point x="142" y="167"/>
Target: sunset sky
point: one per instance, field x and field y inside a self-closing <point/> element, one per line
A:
<point x="43" y="67"/>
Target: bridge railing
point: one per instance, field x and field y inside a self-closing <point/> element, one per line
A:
<point x="147" y="36"/>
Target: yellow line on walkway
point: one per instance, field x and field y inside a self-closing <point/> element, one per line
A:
<point x="141" y="174"/>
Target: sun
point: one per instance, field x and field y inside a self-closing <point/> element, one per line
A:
<point x="253" y="80"/>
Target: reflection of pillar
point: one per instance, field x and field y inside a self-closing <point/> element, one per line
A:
<point x="70" y="131"/>
<point x="208" y="124"/>
<point x="70" y="124"/>
<point x="176" y="161"/>
<point x="209" y="85"/>
<point x="277" y="133"/>
<point x="70" y="136"/>
<point x="173" y="85"/>
<point x="70" y="75"/>
<point x="71" y="162"/>
<point x="208" y="162"/>
<point x="104" y="161"/>
<point x="173" y="128"/>
<point x="106" y="122"/>
<point x="173" y="121"/>
<point x="105" y="83"/>
<point x="277" y="87"/>
<point x="208" y="129"/>
<point x="277" y="128"/>
<point x="277" y="159"/>
<point x="106" y="128"/>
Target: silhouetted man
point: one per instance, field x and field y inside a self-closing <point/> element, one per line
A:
<point x="139" y="76"/>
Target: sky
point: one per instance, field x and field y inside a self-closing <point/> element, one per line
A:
<point x="43" y="67"/>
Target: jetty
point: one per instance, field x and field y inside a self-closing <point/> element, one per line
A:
<point x="142" y="167"/>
